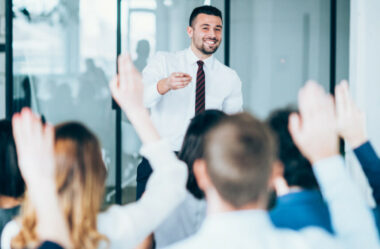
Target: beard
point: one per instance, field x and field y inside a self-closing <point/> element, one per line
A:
<point x="205" y="49"/>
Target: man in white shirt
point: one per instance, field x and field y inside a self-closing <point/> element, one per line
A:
<point x="180" y="85"/>
<point x="235" y="176"/>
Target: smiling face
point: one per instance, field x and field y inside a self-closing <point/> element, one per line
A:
<point x="206" y="34"/>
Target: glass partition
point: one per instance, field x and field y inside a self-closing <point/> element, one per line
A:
<point x="276" y="45"/>
<point x="64" y="55"/>
<point x="149" y="26"/>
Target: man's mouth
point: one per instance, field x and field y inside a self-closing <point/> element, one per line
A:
<point x="210" y="42"/>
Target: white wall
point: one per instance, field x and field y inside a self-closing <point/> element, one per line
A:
<point x="365" y="68"/>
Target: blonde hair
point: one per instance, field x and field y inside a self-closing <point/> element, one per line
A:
<point x="81" y="176"/>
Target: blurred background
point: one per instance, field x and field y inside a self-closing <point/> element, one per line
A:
<point x="57" y="57"/>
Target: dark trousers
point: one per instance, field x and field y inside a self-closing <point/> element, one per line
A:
<point x="144" y="170"/>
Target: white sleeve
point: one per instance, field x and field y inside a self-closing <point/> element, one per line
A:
<point x="352" y="220"/>
<point x="126" y="226"/>
<point x="234" y="102"/>
<point x="10" y="230"/>
<point x="152" y="73"/>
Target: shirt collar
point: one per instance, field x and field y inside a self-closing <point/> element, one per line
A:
<point x="250" y="220"/>
<point x="192" y="58"/>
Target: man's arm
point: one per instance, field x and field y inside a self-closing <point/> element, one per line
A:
<point x="314" y="133"/>
<point x="352" y="128"/>
<point x="131" y="223"/>
<point x="157" y="82"/>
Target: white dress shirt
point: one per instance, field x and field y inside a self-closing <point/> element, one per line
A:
<point x="182" y="223"/>
<point x="353" y="224"/>
<point x="171" y="112"/>
<point x="127" y="226"/>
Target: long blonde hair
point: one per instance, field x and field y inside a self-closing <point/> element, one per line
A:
<point x="81" y="176"/>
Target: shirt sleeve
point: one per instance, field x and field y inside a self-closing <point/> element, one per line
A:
<point x="10" y="230"/>
<point x="234" y="101"/>
<point x="128" y="225"/>
<point x="153" y="72"/>
<point x="370" y="163"/>
<point x="352" y="221"/>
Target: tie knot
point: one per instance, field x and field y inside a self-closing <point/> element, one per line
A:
<point x="200" y="63"/>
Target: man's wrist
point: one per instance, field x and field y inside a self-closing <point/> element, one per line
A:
<point x="162" y="86"/>
<point x="357" y="142"/>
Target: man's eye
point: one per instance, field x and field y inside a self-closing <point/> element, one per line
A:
<point x="205" y="28"/>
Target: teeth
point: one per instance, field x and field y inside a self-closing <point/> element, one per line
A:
<point x="210" y="42"/>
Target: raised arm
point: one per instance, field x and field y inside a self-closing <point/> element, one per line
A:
<point x="352" y="128"/>
<point x="35" y="152"/>
<point x="314" y="132"/>
<point x="130" y="224"/>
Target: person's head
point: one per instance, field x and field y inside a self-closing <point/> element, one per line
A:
<point x="143" y="48"/>
<point x="297" y="170"/>
<point x="238" y="158"/>
<point x="12" y="184"/>
<point x="193" y="144"/>
<point x="80" y="176"/>
<point x="205" y="29"/>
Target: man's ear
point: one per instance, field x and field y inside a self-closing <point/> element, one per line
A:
<point x="201" y="175"/>
<point x="190" y="31"/>
<point x="277" y="180"/>
<point x="277" y="173"/>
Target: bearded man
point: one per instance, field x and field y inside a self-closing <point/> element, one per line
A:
<point x="180" y="85"/>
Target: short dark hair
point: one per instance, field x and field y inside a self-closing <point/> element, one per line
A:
<point x="239" y="152"/>
<point x="205" y="9"/>
<point x="297" y="169"/>
<point x="12" y="183"/>
<point x="193" y="145"/>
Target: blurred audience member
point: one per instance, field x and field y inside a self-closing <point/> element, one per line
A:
<point x="235" y="177"/>
<point x="12" y="185"/>
<point x="299" y="203"/>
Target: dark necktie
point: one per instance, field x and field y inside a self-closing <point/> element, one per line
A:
<point x="200" y="91"/>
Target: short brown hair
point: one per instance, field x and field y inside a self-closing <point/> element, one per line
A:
<point x="240" y="152"/>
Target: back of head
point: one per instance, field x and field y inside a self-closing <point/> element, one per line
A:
<point x="205" y="9"/>
<point x="193" y="144"/>
<point x="297" y="169"/>
<point x="12" y="184"/>
<point x="81" y="175"/>
<point x="239" y="152"/>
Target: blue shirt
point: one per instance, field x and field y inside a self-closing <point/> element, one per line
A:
<point x="301" y="209"/>
<point x="370" y="163"/>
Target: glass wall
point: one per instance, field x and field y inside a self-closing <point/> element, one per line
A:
<point x="149" y="26"/>
<point x="276" y="45"/>
<point x="64" y="55"/>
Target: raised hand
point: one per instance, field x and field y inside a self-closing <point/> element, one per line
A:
<point x="127" y="89"/>
<point x="350" y="120"/>
<point x="175" y="81"/>
<point x="314" y="128"/>
<point x="35" y="150"/>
